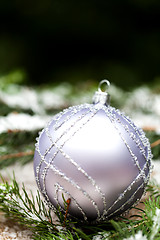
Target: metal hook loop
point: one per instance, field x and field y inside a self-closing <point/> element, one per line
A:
<point x="107" y="85"/>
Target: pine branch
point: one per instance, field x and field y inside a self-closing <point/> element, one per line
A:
<point x="16" y="155"/>
<point x="155" y="144"/>
<point x="24" y="209"/>
<point x="31" y="212"/>
<point x="16" y="146"/>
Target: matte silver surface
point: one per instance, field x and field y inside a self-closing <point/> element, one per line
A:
<point x="96" y="156"/>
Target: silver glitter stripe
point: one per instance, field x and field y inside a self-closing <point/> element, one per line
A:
<point x="128" y="201"/>
<point x="64" y="133"/>
<point x="65" y="120"/>
<point x="56" y="197"/>
<point x="139" y="132"/>
<point x="89" y="178"/>
<point x="56" y="117"/>
<point x="59" y="187"/>
<point x="47" y="200"/>
<point x="144" y="140"/>
<point x="74" y="111"/>
<point x="131" y="135"/>
<point x="134" y="157"/>
<point x="122" y="195"/>
<point x="38" y="182"/>
<point x="141" y="135"/>
<point x="74" y="184"/>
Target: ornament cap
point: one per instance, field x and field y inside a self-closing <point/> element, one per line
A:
<point x="101" y="96"/>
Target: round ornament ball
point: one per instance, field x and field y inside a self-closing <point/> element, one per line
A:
<point x="95" y="156"/>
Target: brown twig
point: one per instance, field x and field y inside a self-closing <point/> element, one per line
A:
<point x="16" y="155"/>
<point x="13" y="131"/>
<point x="156" y="143"/>
<point x="149" y="128"/>
<point x="65" y="217"/>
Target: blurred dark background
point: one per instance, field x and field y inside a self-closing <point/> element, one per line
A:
<point x="58" y="40"/>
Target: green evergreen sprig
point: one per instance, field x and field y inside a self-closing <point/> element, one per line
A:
<point x="31" y="212"/>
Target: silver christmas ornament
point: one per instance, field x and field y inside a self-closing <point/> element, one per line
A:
<point x="94" y="155"/>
